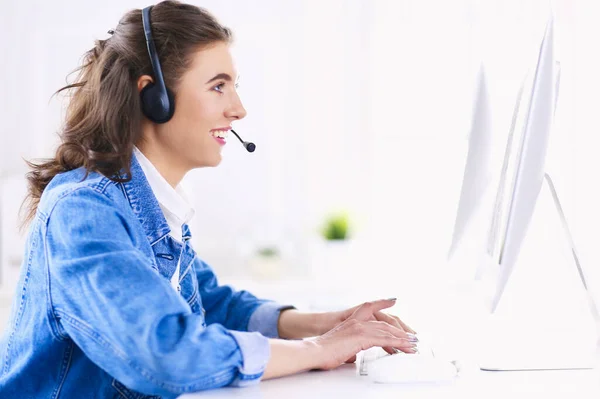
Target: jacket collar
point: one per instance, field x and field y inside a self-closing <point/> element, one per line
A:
<point x="144" y="204"/>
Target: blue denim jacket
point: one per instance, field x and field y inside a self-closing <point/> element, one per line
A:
<point x="95" y="315"/>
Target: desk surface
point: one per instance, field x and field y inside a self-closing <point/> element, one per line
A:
<point x="472" y="383"/>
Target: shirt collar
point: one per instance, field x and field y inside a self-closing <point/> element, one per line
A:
<point x="173" y="201"/>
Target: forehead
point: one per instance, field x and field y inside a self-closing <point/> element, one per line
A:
<point x="212" y="60"/>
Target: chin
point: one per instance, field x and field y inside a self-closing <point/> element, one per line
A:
<point x="214" y="162"/>
<point x="207" y="159"/>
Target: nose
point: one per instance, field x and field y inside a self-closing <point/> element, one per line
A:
<point x="235" y="110"/>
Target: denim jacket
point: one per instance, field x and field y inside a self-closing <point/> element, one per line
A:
<point x="95" y="315"/>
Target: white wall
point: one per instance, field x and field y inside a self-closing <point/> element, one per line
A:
<point x="362" y="105"/>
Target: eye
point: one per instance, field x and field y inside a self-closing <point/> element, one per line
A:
<point x="219" y="87"/>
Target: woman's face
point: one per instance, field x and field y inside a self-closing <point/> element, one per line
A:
<point x="206" y="103"/>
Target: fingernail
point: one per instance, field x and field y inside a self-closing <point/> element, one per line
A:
<point x="396" y="350"/>
<point x="391" y="299"/>
<point x="412" y="337"/>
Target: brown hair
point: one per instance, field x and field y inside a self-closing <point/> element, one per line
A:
<point x="103" y="118"/>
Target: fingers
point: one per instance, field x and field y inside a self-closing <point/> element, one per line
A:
<point x="394" y="320"/>
<point x="405" y="327"/>
<point x="393" y="351"/>
<point x="340" y="345"/>
<point x="368" y="330"/>
<point x="367" y="309"/>
<point x="411" y="350"/>
<point x="388" y="342"/>
<point x="373" y="309"/>
<point x="408" y="343"/>
<point x="389" y="350"/>
<point x="395" y="331"/>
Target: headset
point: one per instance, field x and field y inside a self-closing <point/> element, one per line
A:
<point x="158" y="103"/>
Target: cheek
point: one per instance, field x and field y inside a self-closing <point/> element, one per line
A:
<point x="209" y="111"/>
<point x="202" y="106"/>
<point x="195" y="115"/>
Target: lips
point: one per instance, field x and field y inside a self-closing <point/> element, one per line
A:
<point x="220" y="135"/>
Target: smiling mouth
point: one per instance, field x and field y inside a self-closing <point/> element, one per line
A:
<point x="220" y="136"/>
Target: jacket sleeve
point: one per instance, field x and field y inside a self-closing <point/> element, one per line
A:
<point x="236" y="310"/>
<point x="125" y="317"/>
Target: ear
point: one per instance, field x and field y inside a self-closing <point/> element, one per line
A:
<point x="143" y="81"/>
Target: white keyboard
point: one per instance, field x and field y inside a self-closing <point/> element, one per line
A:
<point x="375" y="353"/>
<point x="367" y="357"/>
<point x="407" y="368"/>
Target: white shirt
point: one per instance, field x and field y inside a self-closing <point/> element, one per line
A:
<point x="172" y="201"/>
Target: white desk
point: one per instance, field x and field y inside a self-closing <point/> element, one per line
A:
<point x="345" y="383"/>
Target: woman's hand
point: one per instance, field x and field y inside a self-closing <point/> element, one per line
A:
<point x="371" y="312"/>
<point x="331" y="319"/>
<point x="360" y="331"/>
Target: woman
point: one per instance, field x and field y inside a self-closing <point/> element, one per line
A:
<point x="112" y="300"/>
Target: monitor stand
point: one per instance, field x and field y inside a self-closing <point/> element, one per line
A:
<point x="532" y="328"/>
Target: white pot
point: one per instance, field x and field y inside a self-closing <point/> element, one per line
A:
<point x="266" y="267"/>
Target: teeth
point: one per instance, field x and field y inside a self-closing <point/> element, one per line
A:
<point x="221" y="133"/>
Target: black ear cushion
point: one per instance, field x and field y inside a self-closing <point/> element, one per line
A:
<point x="152" y="106"/>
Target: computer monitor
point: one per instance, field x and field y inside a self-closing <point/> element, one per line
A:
<point x="477" y="171"/>
<point x="522" y="173"/>
<point x="499" y="242"/>
<point x="501" y="233"/>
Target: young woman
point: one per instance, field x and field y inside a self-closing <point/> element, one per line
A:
<point x="113" y="301"/>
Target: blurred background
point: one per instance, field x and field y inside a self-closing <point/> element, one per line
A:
<point x="360" y="108"/>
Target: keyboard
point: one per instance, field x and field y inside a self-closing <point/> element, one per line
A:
<point x="407" y="368"/>
<point x="376" y="353"/>
<point x="367" y="357"/>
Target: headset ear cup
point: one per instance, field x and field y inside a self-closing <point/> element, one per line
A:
<point x="152" y="106"/>
<point x="147" y="101"/>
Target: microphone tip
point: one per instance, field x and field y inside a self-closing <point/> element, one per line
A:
<point x="250" y="147"/>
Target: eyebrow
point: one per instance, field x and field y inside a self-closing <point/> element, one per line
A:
<point x="223" y="76"/>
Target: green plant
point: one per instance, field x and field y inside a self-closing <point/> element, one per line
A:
<point x="336" y="227"/>
<point x="268" y="252"/>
